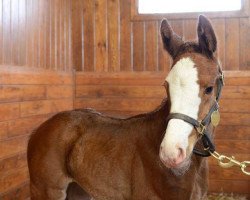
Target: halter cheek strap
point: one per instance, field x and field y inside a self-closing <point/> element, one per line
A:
<point x="202" y="126"/>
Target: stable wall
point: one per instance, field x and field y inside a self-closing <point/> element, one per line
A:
<point x="36" y="81"/>
<point x="105" y="38"/>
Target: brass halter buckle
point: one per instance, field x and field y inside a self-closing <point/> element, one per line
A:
<point x="201" y="129"/>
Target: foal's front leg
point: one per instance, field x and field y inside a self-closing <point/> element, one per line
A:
<point x="42" y="192"/>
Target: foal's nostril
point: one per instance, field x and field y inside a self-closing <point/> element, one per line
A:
<point x="172" y="158"/>
<point x="180" y="156"/>
<point x="180" y="152"/>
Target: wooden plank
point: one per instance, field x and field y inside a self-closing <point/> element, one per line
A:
<point x="13" y="146"/>
<point x="24" y="126"/>
<point x="6" y="31"/>
<point x="41" y="32"/>
<point x="244" y="44"/>
<point x="151" y="31"/>
<point x="29" y="39"/>
<point x="164" y="59"/>
<point x="135" y="104"/>
<point x="101" y="49"/>
<point x="3" y="130"/>
<point x="88" y="32"/>
<point x="120" y="91"/>
<point x="235" y="105"/>
<point x="35" y="30"/>
<point x="13" y="163"/>
<point x="236" y="92"/>
<point x="68" y="38"/>
<point x="1" y="32"/>
<point x="53" y="35"/>
<point x="14" y="33"/>
<point x="218" y="173"/>
<point x="19" y="193"/>
<point x="113" y="13"/>
<point x="229" y="186"/>
<point x="62" y="36"/>
<point x="59" y="91"/>
<point x="9" y="111"/>
<point x="31" y="108"/>
<point x="125" y="36"/>
<point x="13" y="93"/>
<point x="22" y="32"/>
<point x="134" y="78"/>
<point x="47" y="34"/>
<point x="219" y="28"/>
<point x="237" y="119"/>
<point x="190" y="27"/>
<point x="57" y="35"/>
<point x="232" y="132"/>
<point x="232" y="44"/>
<point x="237" y="73"/>
<point x="138" y="46"/>
<point x="35" y="77"/>
<point x="235" y="81"/>
<point x="67" y="29"/>
<point x="232" y="146"/>
<point x="13" y="180"/>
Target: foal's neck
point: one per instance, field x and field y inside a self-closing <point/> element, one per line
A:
<point x="157" y="122"/>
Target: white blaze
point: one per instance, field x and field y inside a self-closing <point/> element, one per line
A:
<point x="184" y="96"/>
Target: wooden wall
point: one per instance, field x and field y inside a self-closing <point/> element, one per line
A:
<point x="27" y="98"/>
<point x="36" y="80"/>
<point x="105" y="39"/>
<point x="36" y="34"/>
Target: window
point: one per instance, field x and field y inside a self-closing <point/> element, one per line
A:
<point x="174" y="9"/>
<point x="183" y="6"/>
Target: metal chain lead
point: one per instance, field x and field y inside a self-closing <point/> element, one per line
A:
<point x="227" y="162"/>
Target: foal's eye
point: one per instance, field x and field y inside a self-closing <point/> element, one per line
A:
<point x="209" y="90"/>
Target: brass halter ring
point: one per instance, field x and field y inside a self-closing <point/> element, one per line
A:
<point x="201" y="129"/>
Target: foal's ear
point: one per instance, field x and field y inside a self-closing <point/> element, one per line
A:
<point x="206" y="35"/>
<point x="170" y="39"/>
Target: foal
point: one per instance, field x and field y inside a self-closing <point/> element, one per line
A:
<point x="141" y="157"/>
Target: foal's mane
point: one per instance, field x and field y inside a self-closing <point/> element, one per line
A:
<point x="145" y="115"/>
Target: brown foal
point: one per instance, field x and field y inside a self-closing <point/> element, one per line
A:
<point x="138" y="158"/>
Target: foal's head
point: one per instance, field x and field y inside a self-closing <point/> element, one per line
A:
<point x="191" y="86"/>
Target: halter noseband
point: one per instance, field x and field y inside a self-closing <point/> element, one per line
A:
<point x="201" y="126"/>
